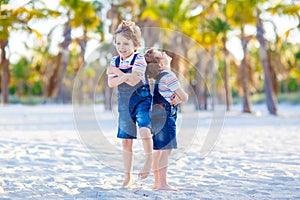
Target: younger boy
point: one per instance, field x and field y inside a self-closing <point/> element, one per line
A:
<point x="166" y="96"/>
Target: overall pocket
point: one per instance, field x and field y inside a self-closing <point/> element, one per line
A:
<point x="158" y="118"/>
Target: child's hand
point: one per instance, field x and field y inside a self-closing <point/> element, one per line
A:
<point x="112" y="71"/>
<point x="176" y="100"/>
<point x="137" y="75"/>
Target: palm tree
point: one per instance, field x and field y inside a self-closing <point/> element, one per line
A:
<point x="220" y="28"/>
<point x="247" y="107"/>
<point x="179" y="26"/>
<point x="270" y="94"/>
<point x="90" y="23"/>
<point x="76" y="9"/>
<point x="15" y="19"/>
<point x="240" y="14"/>
<point x="21" y="71"/>
<point x="4" y="34"/>
<point x="279" y="54"/>
<point x="270" y="78"/>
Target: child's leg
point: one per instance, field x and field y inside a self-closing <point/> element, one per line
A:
<point x="127" y="159"/>
<point x="155" y="167"/>
<point x="163" y="170"/>
<point x="147" y="145"/>
<point x="163" y="166"/>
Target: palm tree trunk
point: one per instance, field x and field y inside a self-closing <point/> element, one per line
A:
<point x="213" y="75"/>
<point x="82" y="43"/>
<point x="5" y="72"/>
<point x="198" y="85"/>
<point x="246" y="98"/>
<point x="273" y="75"/>
<point x="53" y="78"/>
<point x="226" y="79"/>
<point x="20" y="89"/>
<point x="270" y="96"/>
<point x="64" y="61"/>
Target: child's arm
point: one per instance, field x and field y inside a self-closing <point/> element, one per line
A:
<point x="138" y="69"/>
<point x="114" y="81"/>
<point x="117" y="77"/>
<point x="179" y="97"/>
<point x="172" y="82"/>
<point x="132" y="79"/>
<point x="112" y="70"/>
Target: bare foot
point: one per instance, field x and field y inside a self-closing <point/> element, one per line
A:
<point x="127" y="182"/>
<point x="167" y="187"/>
<point x="144" y="173"/>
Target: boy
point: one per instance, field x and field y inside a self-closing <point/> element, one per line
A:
<point x="127" y="72"/>
<point x="166" y="96"/>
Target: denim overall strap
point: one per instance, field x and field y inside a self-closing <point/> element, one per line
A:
<point x="124" y="87"/>
<point x="118" y="60"/>
<point x="157" y="97"/>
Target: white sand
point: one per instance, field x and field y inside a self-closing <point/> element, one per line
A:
<point x="42" y="156"/>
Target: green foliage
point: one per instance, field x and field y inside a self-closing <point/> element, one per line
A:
<point x="3" y="2"/>
<point x="37" y="88"/>
<point x="21" y="69"/>
<point x="174" y="9"/>
<point x="13" y="89"/>
<point x="292" y="85"/>
<point x="218" y="25"/>
<point x="83" y="13"/>
<point x="211" y="25"/>
<point x="240" y="12"/>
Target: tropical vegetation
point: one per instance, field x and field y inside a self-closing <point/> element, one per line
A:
<point x="59" y="66"/>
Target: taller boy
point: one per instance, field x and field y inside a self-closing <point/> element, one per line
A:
<point x="127" y="72"/>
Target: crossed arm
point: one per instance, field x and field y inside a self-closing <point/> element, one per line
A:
<point x="117" y="77"/>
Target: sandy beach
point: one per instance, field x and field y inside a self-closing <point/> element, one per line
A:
<point x="47" y="154"/>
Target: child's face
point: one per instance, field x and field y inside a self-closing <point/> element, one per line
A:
<point x="125" y="47"/>
<point x="164" y="60"/>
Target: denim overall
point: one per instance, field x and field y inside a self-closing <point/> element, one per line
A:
<point x="134" y="103"/>
<point x="163" y="120"/>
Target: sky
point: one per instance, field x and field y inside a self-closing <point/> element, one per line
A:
<point x="17" y="40"/>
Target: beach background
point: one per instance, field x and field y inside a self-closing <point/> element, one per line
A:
<point x="57" y="141"/>
<point x="256" y="156"/>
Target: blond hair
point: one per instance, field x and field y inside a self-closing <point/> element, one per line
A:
<point x="130" y="31"/>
